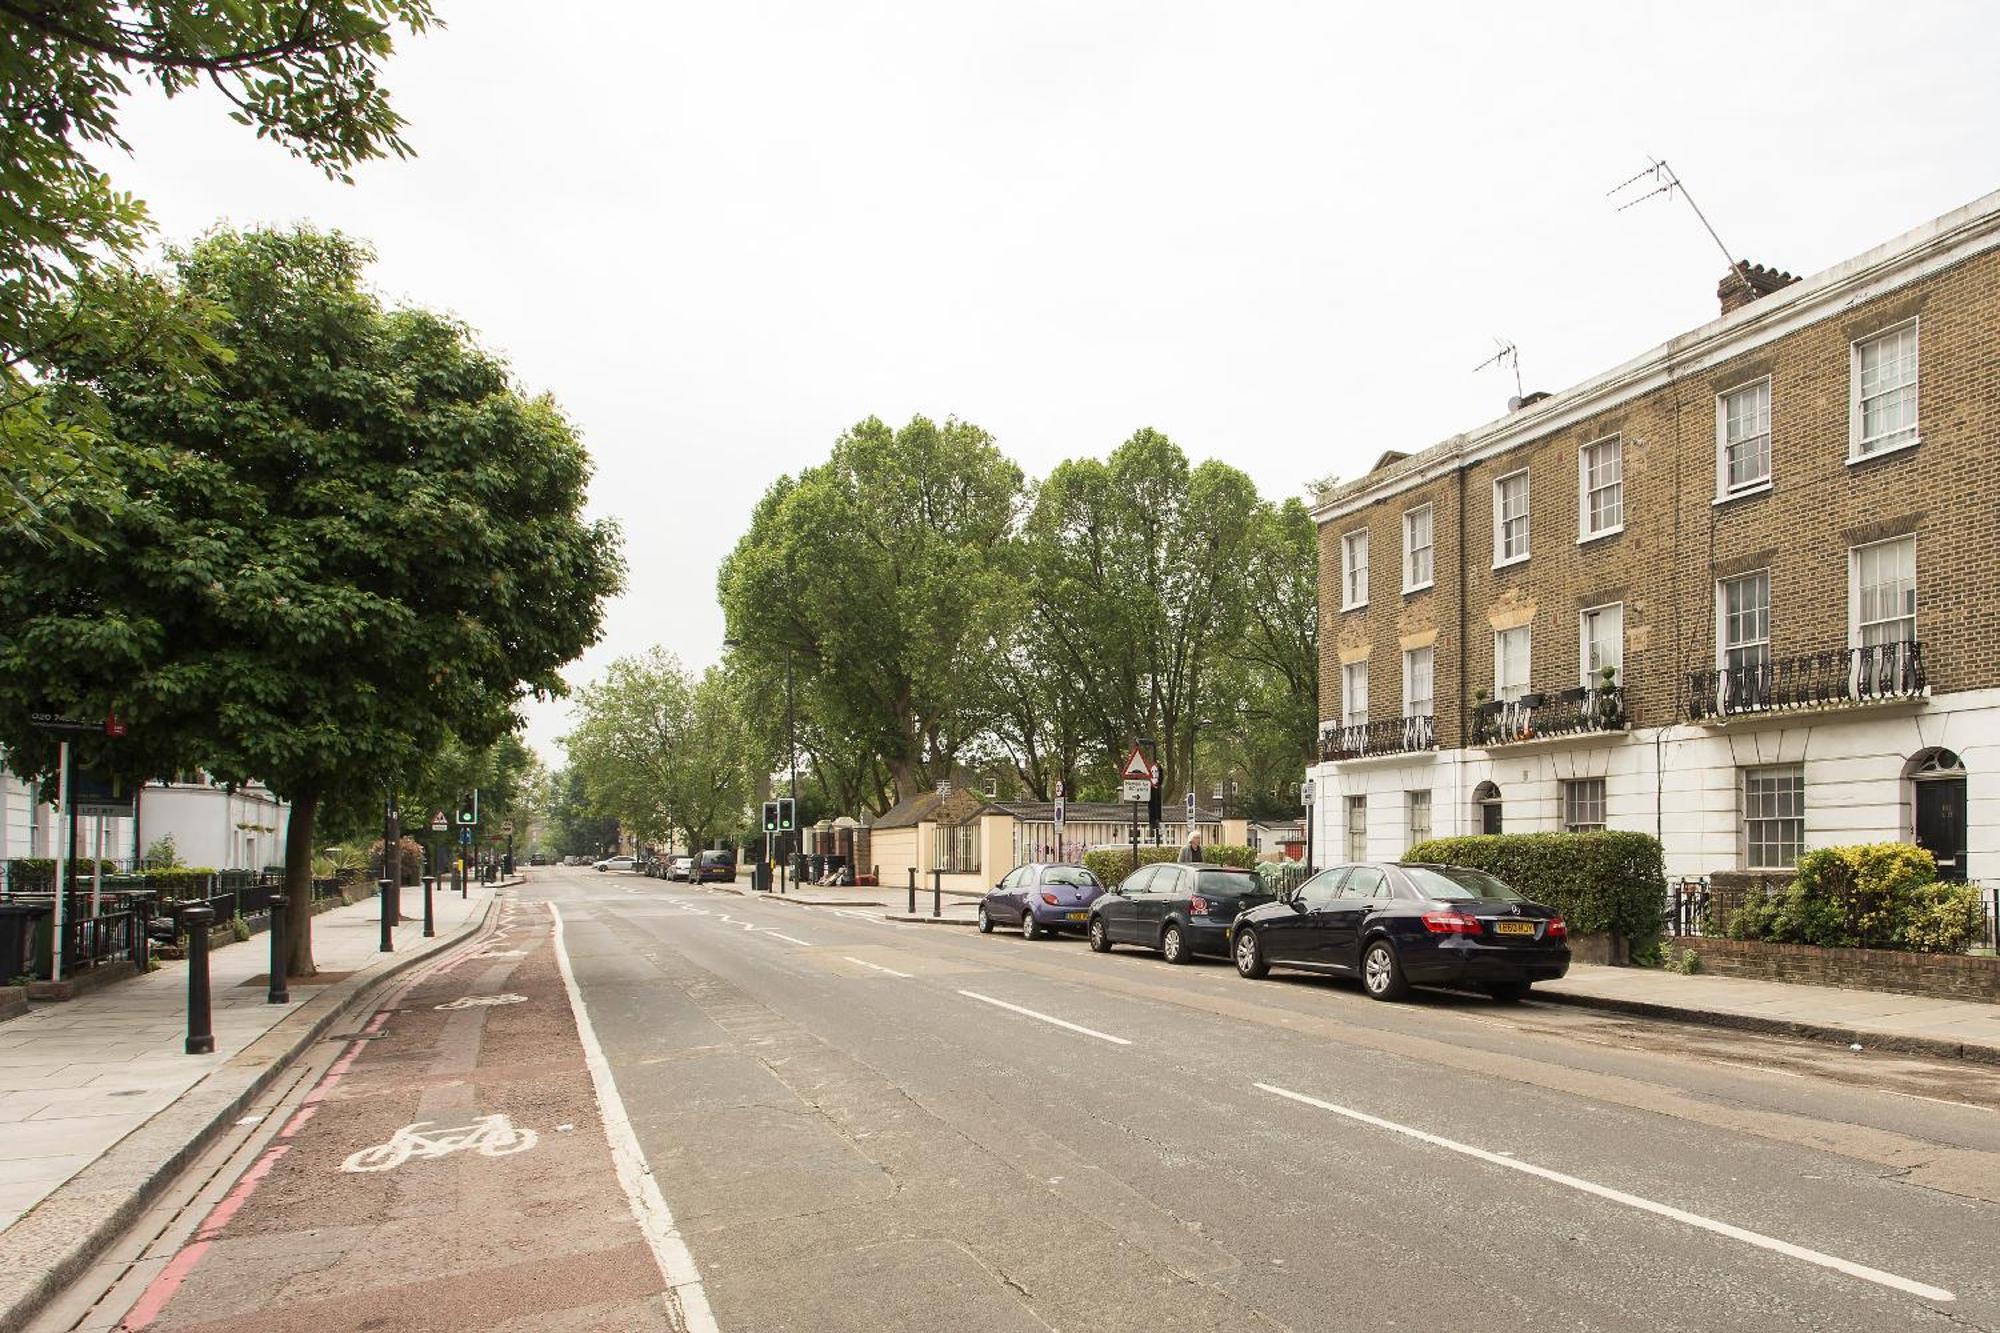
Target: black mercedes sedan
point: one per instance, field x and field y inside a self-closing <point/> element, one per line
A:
<point x="1396" y="925"/>
<point x="1179" y="909"/>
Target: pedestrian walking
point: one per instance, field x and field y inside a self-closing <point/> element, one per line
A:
<point x="1192" y="852"/>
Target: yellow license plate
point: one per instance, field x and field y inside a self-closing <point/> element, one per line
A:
<point x="1076" y="916"/>
<point x="1514" y="927"/>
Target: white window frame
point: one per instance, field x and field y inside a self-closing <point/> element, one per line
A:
<point x="1500" y="687"/>
<point x="1854" y="625"/>
<point x="1722" y="644"/>
<point x="1723" y="490"/>
<point x="1500" y="556"/>
<point x="1348" y="546"/>
<point x="1858" y="448"/>
<point x="1416" y="799"/>
<point x="1410" y="699"/>
<point x="1357" y="830"/>
<point x="1350" y="672"/>
<point x="1570" y="790"/>
<point x="1750" y="861"/>
<point x="1429" y="548"/>
<point x="1583" y="620"/>
<point x="1584" y="490"/>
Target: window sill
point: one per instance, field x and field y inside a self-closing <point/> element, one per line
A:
<point x="1425" y="586"/>
<point x="1354" y="606"/>
<point x="1585" y="539"/>
<point x="1743" y="493"/>
<point x="1511" y="560"/>
<point x="1854" y="458"/>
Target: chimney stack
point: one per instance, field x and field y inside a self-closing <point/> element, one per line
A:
<point x="1746" y="282"/>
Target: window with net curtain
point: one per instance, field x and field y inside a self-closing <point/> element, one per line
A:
<point x="1418" y="549"/>
<point x="1510" y="518"/>
<point x="1885" y="592"/>
<point x="1746" y="620"/>
<point x="1745" y="447"/>
<point x="1885" y="391"/>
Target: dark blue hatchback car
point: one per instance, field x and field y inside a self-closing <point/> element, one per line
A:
<point x="1396" y="925"/>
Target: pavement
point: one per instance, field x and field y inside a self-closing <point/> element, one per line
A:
<point x="100" y="1106"/>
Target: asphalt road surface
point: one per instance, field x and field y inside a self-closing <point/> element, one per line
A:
<point x="775" y="1118"/>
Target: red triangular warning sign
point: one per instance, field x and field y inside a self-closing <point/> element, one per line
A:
<point x="1136" y="767"/>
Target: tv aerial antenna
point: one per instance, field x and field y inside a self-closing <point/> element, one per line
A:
<point x="1665" y="180"/>
<point x="1509" y="357"/>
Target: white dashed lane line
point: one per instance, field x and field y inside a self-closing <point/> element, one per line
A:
<point x="1046" y="1018"/>
<point x="1761" y="1241"/>
<point x="877" y="966"/>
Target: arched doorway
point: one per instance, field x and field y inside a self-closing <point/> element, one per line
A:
<point x="1486" y="802"/>
<point x="1937" y="807"/>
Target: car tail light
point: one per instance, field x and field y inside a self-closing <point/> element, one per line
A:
<point x="1051" y="900"/>
<point x="1558" y="928"/>
<point x="1452" y="923"/>
<point x="1198" y="905"/>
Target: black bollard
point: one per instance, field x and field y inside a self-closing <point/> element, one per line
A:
<point x="430" y="918"/>
<point x="277" y="993"/>
<point x="937" y="893"/>
<point x="201" y="1034"/>
<point x="386" y="891"/>
<point x="913" y="890"/>
<point x="460" y="872"/>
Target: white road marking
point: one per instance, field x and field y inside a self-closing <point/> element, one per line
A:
<point x="489" y="1135"/>
<point x="1046" y="1018"/>
<point x="480" y="1002"/>
<point x="686" y="1300"/>
<point x="1761" y="1241"/>
<point x="1759" y="1069"/>
<point x="790" y="939"/>
<point x="877" y="966"/>
<point x="1940" y="1101"/>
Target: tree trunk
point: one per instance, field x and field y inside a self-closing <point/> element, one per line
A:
<point x="298" y="886"/>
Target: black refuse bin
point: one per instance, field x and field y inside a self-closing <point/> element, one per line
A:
<point x="18" y="922"/>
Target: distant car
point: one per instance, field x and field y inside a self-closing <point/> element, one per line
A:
<point x="537" y="859"/>
<point x="1401" y="924"/>
<point x="681" y="868"/>
<point x="616" y="863"/>
<point x="718" y="866"/>
<point x="1040" y="898"/>
<point x="1180" y="910"/>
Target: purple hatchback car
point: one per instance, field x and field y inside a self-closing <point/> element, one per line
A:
<point x="1041" y="899"/>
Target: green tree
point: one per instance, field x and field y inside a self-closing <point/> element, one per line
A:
<point x="660" y="750"/>
<point x="357" y="537"/>
<point x="877" y="578"/>
<point x="302" y="73"/>
<point x="573" y="829"/>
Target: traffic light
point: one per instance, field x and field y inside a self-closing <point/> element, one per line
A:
<point x="788" y="813"/>
<point x="770" y="816"/>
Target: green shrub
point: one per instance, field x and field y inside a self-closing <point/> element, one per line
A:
<point x="1603" y="883"/>
<point x="239" y="929"/>
<point x="1113" y="864"/>
<point x="36" y="874"/>
<point x="1880" y="895"/>
<point x="162" y="853"/>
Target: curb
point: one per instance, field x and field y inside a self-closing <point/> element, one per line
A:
<point x="78" y="1221"/>
<point x="1869" y="1038"/>
<point x="930" y="920"/>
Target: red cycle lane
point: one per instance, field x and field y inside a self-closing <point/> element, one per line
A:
<point x="449" y="1171"/>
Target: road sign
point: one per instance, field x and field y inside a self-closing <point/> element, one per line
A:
<point x="1306" y="793"/>
<point x="1059" y="809"/>
<point x="439" y="823"/>
<point x="507" y="826"/>
<point x="1136" y="789"/>
<point x="465" y="837"/>
<point x="1190" y="807"/>
<point x="62" y="722"/>
<point x="1137" y="769"/>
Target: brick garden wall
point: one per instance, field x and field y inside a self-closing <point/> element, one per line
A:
<point x="1940" y="976"/>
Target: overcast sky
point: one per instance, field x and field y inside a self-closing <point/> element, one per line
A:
<point x="1284" y="234"/>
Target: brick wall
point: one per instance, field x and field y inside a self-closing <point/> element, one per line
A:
<point x="1941" y="976"/>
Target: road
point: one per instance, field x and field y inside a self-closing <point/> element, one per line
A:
<point x="847" y="1123"/>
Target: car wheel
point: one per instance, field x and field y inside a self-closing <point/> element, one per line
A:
<point x="1381" y="974"/>
<point x="1250" y="955"/>
<point x="1031" y="929"/>
<point x="1100" y="938"/>
<point x="985" y="921"/>
<point x="1174" y="944"/>
<point x="1508" y="992"/>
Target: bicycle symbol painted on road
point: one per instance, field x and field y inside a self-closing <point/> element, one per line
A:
<point x="481" y="1002"/>
<point x="489" y="1135"/>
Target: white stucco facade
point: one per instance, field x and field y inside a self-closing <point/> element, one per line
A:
<point x="242" y="829"/>
<point x="1684" y="782"/>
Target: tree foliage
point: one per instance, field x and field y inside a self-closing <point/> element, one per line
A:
<point x="662" y="751"/>
<point x="354" y="537"/>
<point x="302" y="73"/>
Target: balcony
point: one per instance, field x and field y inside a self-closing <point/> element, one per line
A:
<point x="1389" y="735"/>
<point x="1836" y="677"/>
<point x="1587" y="710"/>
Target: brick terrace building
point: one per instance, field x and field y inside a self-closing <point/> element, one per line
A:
<point x="1742" y="592"/>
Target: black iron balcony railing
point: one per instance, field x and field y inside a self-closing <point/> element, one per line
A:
<point x="1872" y="673"/>
<point x="1389" y="735"/>
<point x="1573" y="712"/>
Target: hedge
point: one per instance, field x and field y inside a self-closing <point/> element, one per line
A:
<point x="1880" y="895"/>
<point x="1603" y="883"/>
<point x="1113" y="864"/>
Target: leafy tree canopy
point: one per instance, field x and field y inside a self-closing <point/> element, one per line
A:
<point x="355" y="537"/>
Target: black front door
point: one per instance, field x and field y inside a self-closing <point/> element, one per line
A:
<point x="1489" y="816"/>
<point x="1941" y="824"/>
